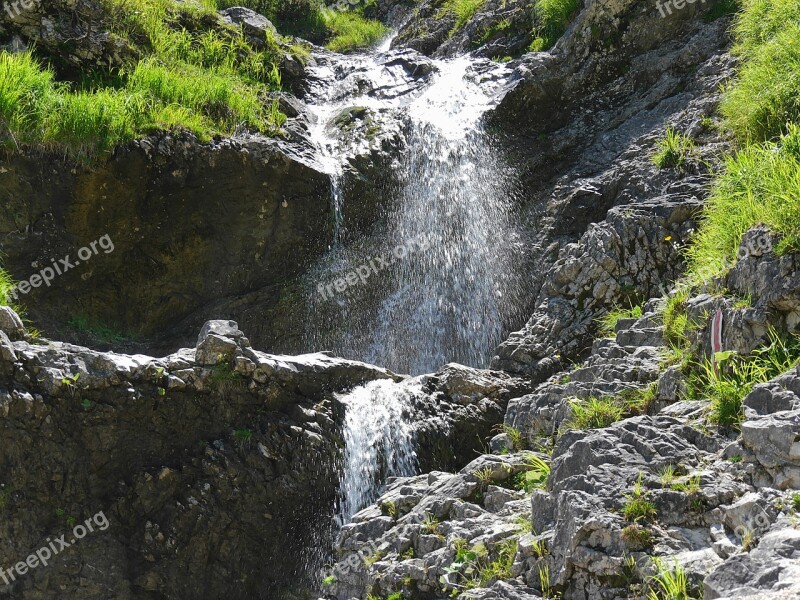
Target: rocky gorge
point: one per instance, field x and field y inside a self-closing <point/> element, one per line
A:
<point x="442" y="335"/>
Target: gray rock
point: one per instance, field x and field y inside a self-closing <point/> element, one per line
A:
<point x="771" y="570"/>
<point x="774" y="439"/>
<point x="11" y="324"/>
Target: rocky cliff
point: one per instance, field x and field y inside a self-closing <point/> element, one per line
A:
<point x="636" y="435"/>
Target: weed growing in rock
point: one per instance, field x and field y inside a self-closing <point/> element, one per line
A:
<point x="474" y="567"/>
<point x="735" y="376"/>
<point x="667" y="583"/>
<point x="551" y="19"/>
<point x="389" y="507"/>
<point x="638" y="506"/>
<point x="430" y="525"/>
<point x="595" y="413"/>
<point x="674" y="150"/>
<point x="462" y="10"/>
<point x="608" y="322"/>
<point x="485" y="476"/>
<point x="545" y="584"/>
<point x="637" y="537"/>
<point x="514" y="435"/>
<point x="667" y="475"/>
<point x="243" y="437"/>
<point x="535" y="475"/>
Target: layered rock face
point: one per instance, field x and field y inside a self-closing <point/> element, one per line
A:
<point x="216" y="468"/>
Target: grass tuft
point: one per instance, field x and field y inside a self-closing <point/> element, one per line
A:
<point x="674" y="150"/>
<point x="551" y="19"/>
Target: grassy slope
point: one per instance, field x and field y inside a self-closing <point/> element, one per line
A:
<point x="207" y="81"/>
<point x="761" y="181"/>
<point x="339" y="31"/>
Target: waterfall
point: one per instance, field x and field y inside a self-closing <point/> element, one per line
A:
<point x="451" y="277"/>
<point x="379" y="443"/>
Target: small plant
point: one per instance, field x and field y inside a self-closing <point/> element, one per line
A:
<point x="328" y="581"/>
<point x="484" y="475"/>
<point x="796" y="502"/>
<point x="514" y="435"/>
<point x="374" y="557"/>
<point x="637" y="537"/>
<point x="408" y="554"/>
<point x="524" y="524"/>
<point x="638" y="506"/>
<point x="242" y="437"/>
<point x="690" y="485"/>
<point x="667" y="584"/>
<point x="667" y="475"/>
<point x="595" y="413"/>
<point x="673" y="150"/>
<point x="70" y="382"/>
<point x="5" y="496"/>
<point x="736" y="458"/>
<point x="389" y="507"/>
<point x="430" y="525"/>
<point x="544" y="582"/>
<point x="608" y="322"/>
<point x="535" y="475"/>
<point x="639" y="401"/>
<point x="86" y="403"/>
<point x="71" y="521"/>
<point x="540" y="549"/>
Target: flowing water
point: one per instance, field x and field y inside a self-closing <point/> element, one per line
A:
<point x="451" y="277"/>
<point x="450" y="280"/>
<point x="379" y="443"/>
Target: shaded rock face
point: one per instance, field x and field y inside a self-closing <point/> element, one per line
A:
<point x="197" y="467"/>
<point x="583" y="131"/>
<point x="215" y="469"/>
<point x="192" y="226"/>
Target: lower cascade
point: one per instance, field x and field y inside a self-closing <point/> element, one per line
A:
<point x="379" y="443"/>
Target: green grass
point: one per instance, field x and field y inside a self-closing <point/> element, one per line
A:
<point x="551" y="18"/>
<point x="608" y="322"/>
<point x="637" y="506"/>
<point x="208" y="82"/>
<point x="595" y="413"/>
<point x="760" y="185"/>
<point x="462" y="10"/>
<point x="349" y="31"/>
<point x="674" y="150"/>
<point x="637" y="536"/>
<point x="338" y="31"/>
<point x="736" y="375"/>
<point x="534" y="476"/>
<point x="667" y="583"/>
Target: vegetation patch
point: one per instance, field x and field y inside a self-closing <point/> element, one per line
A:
<point x="733" y="377"/>
<point x="551" y="18"/>
<point x="339" y="31"/>
<point x="760" y="183"/>
<point x="595" y="413"/>
<point x="462" y="10"/>
<point x="674" y="150"/>
<point x="608" y="322"/>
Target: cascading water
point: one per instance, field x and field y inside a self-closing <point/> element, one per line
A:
<point x="448" y="295"/>
<point x="379" y="443"/>
<point x="456" y="284"/>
